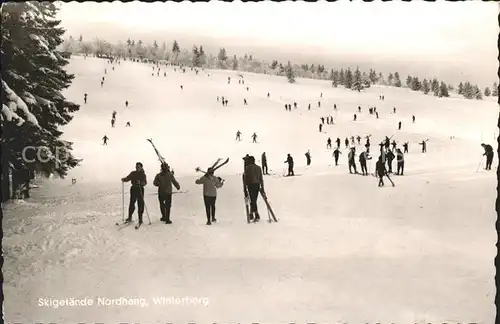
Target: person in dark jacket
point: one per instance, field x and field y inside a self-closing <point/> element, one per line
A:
<point x="351" y="160"/>
<point x="289" y="160"/>
<point x="401" y="162"/>
<point x="381" y="171"/>
<point x="405" y="147"/>
<point x="424" y="146"/>
<point x="138" y="181"/>
<point x="264" y="163"/>
<point x="338" y="142"/>
<point x="329" y="143"/>
<point x="254" y="183"/>
<point x="488" y="151"/>
<point x="390" y="157"/>
<point x="363" y="157"/>
<point x="336" y="154"/>
<point x="320" y="127"/>
<point x="346" y="142"/>
<point x="164" y="181"/>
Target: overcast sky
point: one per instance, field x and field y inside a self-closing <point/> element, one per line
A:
<point x="443" y="31"/>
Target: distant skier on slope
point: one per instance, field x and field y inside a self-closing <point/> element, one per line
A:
<point x="289" y="161"/>
<point x="488" y="152"/>
<point x="338" y="142"/>
<point x="238" y="136"/>
<point x="128" y="124"/>
<point x="254" y="138"/>
<point x="394" y="110"/>
<point x="254" y="183"/>
<point x="346" y="142"/>
<point x="399" y="125"/>
<point x="126" y="104"/>
<point x="358" y="138"/>
<point x="405" y="147"/>
<point x="320" y="127"/>
<point x="336" y="154"/>
<point x="164" y="181"/>
<point x="413" y="118"/>
<point x="138" y="181"/>
<point x="308" y="157"/>
<point x="113" y="122"/>
<point x="264" y="163"/>
<point x="210" y="184"/>
<point x="359" y="108"/>
<point x="394" y="144"/>
<point x="329" y="143"/>
<point x="424" y="145"/>
<point x="85" y="98"/>
<point x="105" y="140"/>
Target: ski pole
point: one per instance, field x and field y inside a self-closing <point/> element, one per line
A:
<point x="480" y="162"/>
<point x="145" y="207"/>
<point x="123" y="201"/>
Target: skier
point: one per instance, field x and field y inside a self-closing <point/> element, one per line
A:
<point x="105" y="71"/>
<point x="394" y="110"/>
<point x="350" y="159"/>
<point x="182" y="87"/>
<point x="254" y="183"/>
<point x="424" y="145"/>
<point x="225" y="102"/>
<point x="126" y="104"/>
<point x="488" y="151"/>
<point x="394" y="144"/>
<point x="359" y="108"/>
<point x="102" y="83"/>
<point x="321" y="96"/>
<point x="362" y="160"/>
<point x="138" y="181"/>
<point x="338" y="142"/>
<point x="113" y="122"/>
<point x="336" y="156"/>
<point x="85" y="98"/>
<point x="376" y="114"/>
<point x="352" y="140"/>
<point x="387" y="142"/>
<point x="405" y="147"/>
<point x="358" y="138"/>
<point x="309" y="107"/>
<point x="264" y="163"/>
<point x="334" y="106"/>
<point x="320" y="127"/>
<point x="238" y="135"/>
<point x="390" y="158"/>
<point x="286" y="107"/>
<point x="105" y="140"/>
<point x="113" y="115"/>
<point x="413" y="118"/>
<point x="346" y="142"/>
<point x="295" y="105"/>
<point x="217" y="98"/>
<point x="210" y="185"/>
<point x="329" y="143"/>
<point x="308" y="157"/>
<point x="319" y="104"/>
<point x="399" y="125"/>
<point x="381" y="171"/>
<point x="164" y="181"/>
<point x="268" y="95"/>
<point x="323" y="120"/>
<point x="289" y="160"/>
<point x="401" y="162"/>
<point x="254" y="138"/>
<point x="128" y="124"/>
<point x="355" y="117"/>
<point x="245" y="102"/>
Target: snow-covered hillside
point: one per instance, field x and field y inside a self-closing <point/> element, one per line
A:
<point x="344" y="249"/>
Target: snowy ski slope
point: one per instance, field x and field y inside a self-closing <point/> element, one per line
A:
<point x="344" y="249"/>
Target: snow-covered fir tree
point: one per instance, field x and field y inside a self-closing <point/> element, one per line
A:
<point x="35" y="72"/>
<point x="290" y="74"/>
<point x="235" y="63"/>
<point x="487" y="91"/>
<point x="425" y="86"/>
<point x="443" y="90"/>
<point x="348" y="79"/>
<point x="357" y="82"/>
<point x="397" y="80"/>
<point x="494" y="91"/>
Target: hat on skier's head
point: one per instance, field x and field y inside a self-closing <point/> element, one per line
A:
<point x="210" y="170"/>
<point x="139" y="164"/>
<point x="164" y="166"/>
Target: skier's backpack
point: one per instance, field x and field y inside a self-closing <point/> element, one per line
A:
<point x="218" y="182"/>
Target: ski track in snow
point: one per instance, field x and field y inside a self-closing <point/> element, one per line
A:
<point x="343" y="249"/>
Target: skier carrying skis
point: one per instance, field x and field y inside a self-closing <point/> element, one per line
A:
<point x="210" y="185"/>
<point x="264" y="163"/>
<point x="105" y="140"/>
<point x="308" y="157"/>
<point x="138" y="180"/>
<point x="336" y="154"/>
<point x="289" y="161"/>
<point x="254" y="183"/>
<point x="424" y="145"/>
<point x="488" y="151"/>
<point x="164" y="181"/>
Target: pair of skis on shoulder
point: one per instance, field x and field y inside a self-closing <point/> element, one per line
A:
<point x="215" y="166"/>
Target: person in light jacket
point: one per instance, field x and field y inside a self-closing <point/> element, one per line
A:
<point x="210" y="185"/>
